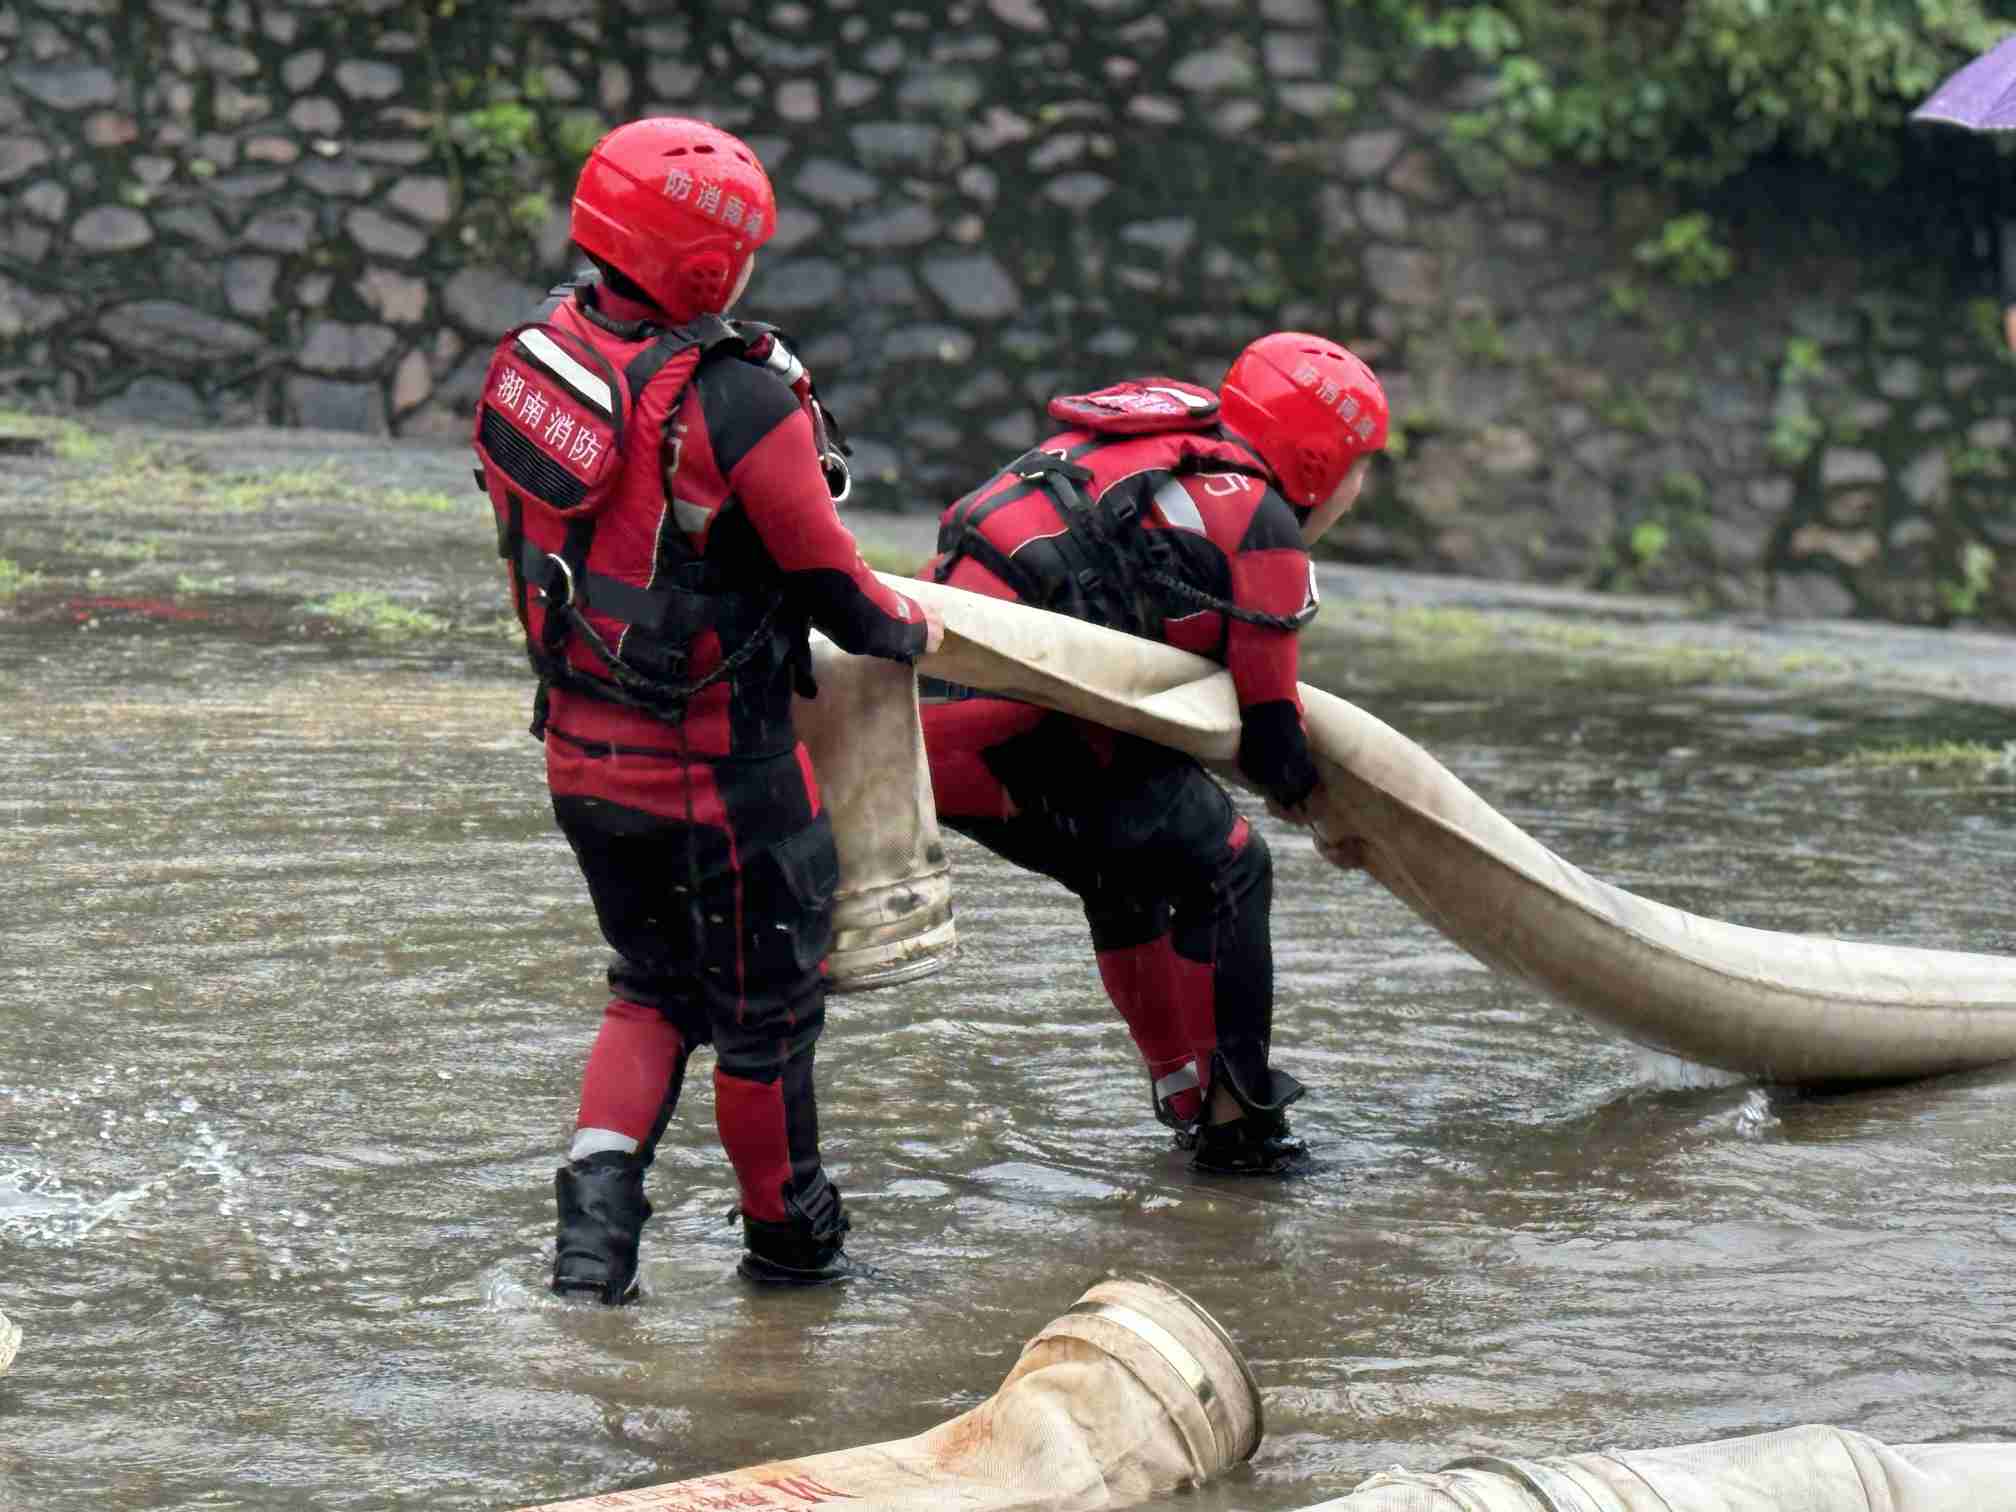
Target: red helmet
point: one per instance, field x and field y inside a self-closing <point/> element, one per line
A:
<point x="677" y="206"/>
<point x="1310" y="409"/>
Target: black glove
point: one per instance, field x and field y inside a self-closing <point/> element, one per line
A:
<point x="1274" y="753"/>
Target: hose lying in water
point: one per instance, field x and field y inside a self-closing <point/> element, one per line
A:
<point x="1784" y="1007"/>
<point x="892" y="914"/>
<point x="1134" y="1392"/>
<point x="1812" y="1469"/>
<point x="10" y="1342"/>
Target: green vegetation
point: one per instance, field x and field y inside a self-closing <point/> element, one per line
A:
<point x="494" y="143"/>
<point x="1694" y="92"/>
<point x="1647" y="541"/>
<point x="376" y="614"/>
<point x="1976" y="462"/>
<point x="62" y="438"/>
<point x="114" y="548"/>
<point x="160" y="480"/>
<point x="1686" y="250"/>
<point x="1626" y="298"/>
<point x="1628" y="409"/>
<point x="1983" y="321"/>
<point x="1963" y="758"/>
<point x="155" y="480"/>
<point x="13" y="578"/>
<point x="1678" y="513"/>
<point x="511" y="149"/>
<point x="1476" y="333"/>
<point x="1795" y="429"/>
<point x="195" y="518"/>
<point x="897" y="562"/>
<point x="1962" y="599"/>
<point x="1541" y="652"/>
<point x="430" y="500"/>
<point x="1802" y="360"/>
<point x="1795" y="432"/>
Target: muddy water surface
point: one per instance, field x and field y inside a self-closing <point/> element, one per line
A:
<point x="296" y="979"/>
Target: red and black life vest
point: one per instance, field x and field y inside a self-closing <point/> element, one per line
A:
<point x="610" y="592"/>
<point x="1089" y="556"/>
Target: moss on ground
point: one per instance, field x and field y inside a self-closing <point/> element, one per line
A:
<point x="377" y="614"/>
<point x="14" y="577"/>
<point x="67" y="439"/>
<point x="1952" y="758"/>
<point x="896" y="561"/>
<point x="362" y="537"/>
<point x="220" y="515"/>
<point x="1468" y="647"/>
<point x="155" y="480"/>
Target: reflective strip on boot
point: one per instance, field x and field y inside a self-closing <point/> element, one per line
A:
<point x="598" y="1141"/>
<point x="1179" y="1097"/>
<point x="1182" y="1079"/>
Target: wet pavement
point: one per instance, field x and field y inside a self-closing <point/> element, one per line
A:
<point x="296" y="979"/>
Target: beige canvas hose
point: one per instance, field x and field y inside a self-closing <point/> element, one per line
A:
<point x="1810" y="1469"/>
<point x="892" y="917"/>
<point x="1788" y="1008"/>
<point x="1134" y="1392"/>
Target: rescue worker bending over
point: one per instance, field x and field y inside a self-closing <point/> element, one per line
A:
<point x="656" y="473"/>
<point x="1186" y="516"/>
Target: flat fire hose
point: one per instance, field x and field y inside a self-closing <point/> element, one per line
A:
<point x="1787" y="1008"/>
<point x="1134" y="1392"/>
<point x="1814" y="1468"/>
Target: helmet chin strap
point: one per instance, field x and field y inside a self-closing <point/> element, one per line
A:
<point x="741" y="282"/>
<point x="1317" y="520"/>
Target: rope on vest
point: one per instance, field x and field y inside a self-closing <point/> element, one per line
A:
<point x="1176" y="587"/>
<point x="628" y="685"/>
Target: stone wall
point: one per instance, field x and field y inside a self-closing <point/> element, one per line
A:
<point x="299" y="213"/>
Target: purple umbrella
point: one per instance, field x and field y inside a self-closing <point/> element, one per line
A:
<point x="1981" y="96"/>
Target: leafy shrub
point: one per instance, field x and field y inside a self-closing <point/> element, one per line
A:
<point x="1687" y="251"/>
<point x="1695" y="91"/>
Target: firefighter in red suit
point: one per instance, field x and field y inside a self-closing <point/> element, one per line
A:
<point x="1168" y="511"/>
<point x="667" y="554"/>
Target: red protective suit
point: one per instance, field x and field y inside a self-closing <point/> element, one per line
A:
<point x="1177" y="534"/>
<point x="674" y="771"/>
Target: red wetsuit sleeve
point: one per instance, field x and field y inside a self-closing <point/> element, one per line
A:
<point x="1264" y="663"/>
<point x="784" y="495"/>
<point x="1263" y="660"/>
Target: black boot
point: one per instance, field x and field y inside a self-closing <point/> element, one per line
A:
<point x="805" y="1249"/>
<point x="1257" y="1144"/>
<point x="602" y="1211"/>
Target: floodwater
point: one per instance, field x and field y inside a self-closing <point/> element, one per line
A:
<point x="296" y="980"/>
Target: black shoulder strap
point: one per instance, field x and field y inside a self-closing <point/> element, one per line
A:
<point x="959" y="536"/>
<point x="1257" y="467"/>
<point x="556" y="296"/>
<point x="708" y="332"/>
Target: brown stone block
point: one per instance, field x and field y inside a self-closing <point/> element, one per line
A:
<point x="1850" y="548"/>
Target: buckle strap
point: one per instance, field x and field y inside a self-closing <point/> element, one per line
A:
<point x="1035" y="464"/>
<point x="661" y="611"/>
